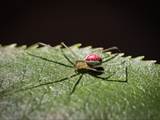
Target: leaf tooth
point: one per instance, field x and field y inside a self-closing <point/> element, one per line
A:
<point x="34" y="46"/>
<point x="128" y="57"/>
<point x="78" y="45"/>
<point x="151" y="61"/>
<point x="13" y="45"/>
<point x="22" y="47"/>
<point x="98" y="49"/>
<point x="87" y="47"/>
<point x="43" y="44"/>
<point x="139" y="58"/>
<point x="121" y="54"/>
<point x="57" y="46"/>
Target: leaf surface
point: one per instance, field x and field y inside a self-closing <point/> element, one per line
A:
<point x="28" y="91"/>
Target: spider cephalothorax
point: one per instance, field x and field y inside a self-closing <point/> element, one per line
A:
<point x="91" y="64"/>
<point x="85" y="67"/>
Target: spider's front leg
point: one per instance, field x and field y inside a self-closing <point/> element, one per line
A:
<point x="45" y="59"/>
<point x="66" y="57"/>
<point x="74" y="56"/>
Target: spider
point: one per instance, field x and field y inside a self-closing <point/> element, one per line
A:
<point x="91" y="64"/>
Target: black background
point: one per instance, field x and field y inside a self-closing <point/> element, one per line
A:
<point x="132" y="26"/>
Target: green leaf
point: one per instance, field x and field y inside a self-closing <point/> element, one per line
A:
<point x="28" y="91"/>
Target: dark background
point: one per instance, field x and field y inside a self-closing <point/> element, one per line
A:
<point x="132" y="26"/>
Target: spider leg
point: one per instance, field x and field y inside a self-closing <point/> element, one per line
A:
<point x="64" y="45"/>
<point x="67" y="58"/>
<point x="108" y="77"/>
<point x="96" y="70"/>
<point x="110" y="49"/>
<point x="110" y="58"/>
<point x="92" y="69"/>
<point x="39" y="85"/>
<point x="50" y="60"/>
<point x="78" y="81"/>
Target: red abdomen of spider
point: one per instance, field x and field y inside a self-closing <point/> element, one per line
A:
<point x="93" y="59"/>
